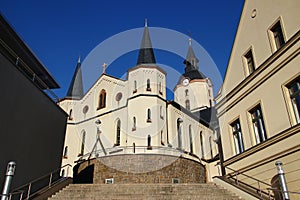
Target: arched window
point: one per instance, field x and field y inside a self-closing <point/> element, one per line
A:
<point x="201" y="144"/>
<point x="148" y="115"/>
<point x="71" y="114"/>
<point x="187" y="104"/>
<point x="134" y="87"/>
<point x="118" y="133"/>
<point x="134" y="124"/>
<point x="191" y="138"/>
<point x="149" y="141"/>
<point x="186" y="92"/>
<point x="210" y="147"/>
<point x="161" y="112"/>
<point x="102" y="99"/>
<point x="160" y="88"/>
<point x="82" y="142"/>
<point x="65" y="152"/>
<point x="162" y="138"/>
<point x="179" y="132"/>
<point x="148" y="85"/>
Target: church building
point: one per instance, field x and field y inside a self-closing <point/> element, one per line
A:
<point x="116" y="117"/>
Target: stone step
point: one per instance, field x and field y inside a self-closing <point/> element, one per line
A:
<point x="143" y="191"/>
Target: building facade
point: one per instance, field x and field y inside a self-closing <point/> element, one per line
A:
<point x="32" y="125"/>
<point x="130" y="116"/>
<point x="258" y="104"/>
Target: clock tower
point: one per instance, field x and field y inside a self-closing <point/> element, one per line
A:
<point x="193" y="90"/>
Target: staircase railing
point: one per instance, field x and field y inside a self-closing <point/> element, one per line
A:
<point x="26" y="191"/>
<point x="263" y="189"/>
<point x="117" y="150"/>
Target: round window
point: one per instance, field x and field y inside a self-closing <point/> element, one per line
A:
<point x="119" y="96"/>
<point x="85" y="109"/>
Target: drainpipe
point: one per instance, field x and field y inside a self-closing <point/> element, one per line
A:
<point x="10" y="172"/>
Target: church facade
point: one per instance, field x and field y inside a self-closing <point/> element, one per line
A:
<point x="132" y="116"/>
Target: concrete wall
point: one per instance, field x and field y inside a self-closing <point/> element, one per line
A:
<point x="32" y="127"/>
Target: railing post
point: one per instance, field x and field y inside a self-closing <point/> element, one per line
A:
<point x="236" y="178"/>
<point x="284" y="189"/>
<point x="50" y="181"/>
<point x="28" y="191"/>
<point x="10" y="172"/>
<point x="259" y="188"/>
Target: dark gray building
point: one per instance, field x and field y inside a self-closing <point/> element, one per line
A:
<point x="32" y="126"/>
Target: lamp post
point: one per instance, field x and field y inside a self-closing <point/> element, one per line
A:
<point x="284" y="189"/>
<point x="10" y="172"/>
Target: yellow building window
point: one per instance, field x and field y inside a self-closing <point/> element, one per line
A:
<point x="294" y="98"/>
<point x="258" y="124"/>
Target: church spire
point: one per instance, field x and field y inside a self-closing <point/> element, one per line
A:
<point x="146" y="54"/>
<point x="191" y="61"/>
<point x="75" y="90"/>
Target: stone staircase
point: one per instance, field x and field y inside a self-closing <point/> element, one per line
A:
<point x="208" y="191"/>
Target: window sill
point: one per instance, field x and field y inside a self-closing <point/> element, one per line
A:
<point x="149" y="120"/>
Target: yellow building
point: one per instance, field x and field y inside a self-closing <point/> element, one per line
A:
<point x="258" y="104"/>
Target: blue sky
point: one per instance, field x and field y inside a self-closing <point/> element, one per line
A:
<point x="59" y="31"/>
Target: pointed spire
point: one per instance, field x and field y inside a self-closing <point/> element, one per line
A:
<point x="146" y="54"/>
<point x="191" y="61"/>
<point x="75" y="90"/>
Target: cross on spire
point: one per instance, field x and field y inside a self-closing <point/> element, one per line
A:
<point x="104" y="68"/>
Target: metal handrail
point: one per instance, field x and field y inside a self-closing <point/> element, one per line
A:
<point x="26" y="188"/>
<point x="255" y="179"/>
<point x="259" y="182"/>
<point x="124" y="148"/>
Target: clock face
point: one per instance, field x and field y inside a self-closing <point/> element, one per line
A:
<point x="185" y="82"/>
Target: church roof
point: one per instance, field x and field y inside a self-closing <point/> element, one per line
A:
<point x="76" y="86"/>
<point x="146" y="54"/>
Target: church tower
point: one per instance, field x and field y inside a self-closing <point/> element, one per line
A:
<point x="193" y="90"/>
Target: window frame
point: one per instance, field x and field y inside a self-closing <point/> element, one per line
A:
<point x="289" y="104"/>
<point x="148" y="85"/>
<point x="134" y="123"/>
<point x="191" y="139"/>
<point x="149" y="120"/>
<point x="271" y="36"/>
<point x="237" y="136"/>
<point x="102" y="99"/>
<point x="202" y="144"/>
<point x="187" y="104"/>
<point x="134" y="86"/>
<point x="258" y="136"/>
<point x="179" y="125"/>
<point x="118" y="132"/>
<point x="249" y="54"/>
